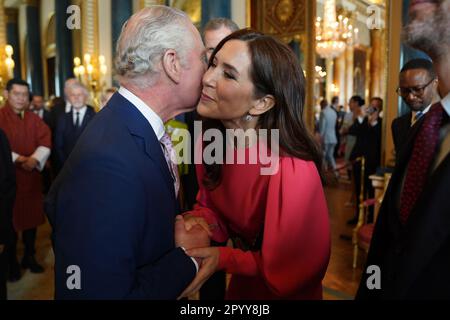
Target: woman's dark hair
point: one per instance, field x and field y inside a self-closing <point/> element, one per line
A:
<point x="275" y="70"/>
<point x="360" y="101"/>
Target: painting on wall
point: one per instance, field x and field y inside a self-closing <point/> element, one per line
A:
<point x="360" y="71"/>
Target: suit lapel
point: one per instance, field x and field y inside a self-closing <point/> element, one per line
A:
<point x="427" y="231"/>
<point x="139" y="127"/>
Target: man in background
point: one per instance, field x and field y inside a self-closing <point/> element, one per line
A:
<point x="411" y="240"/>
<point x="71" y="125"/>
<point x="418" y="87"/>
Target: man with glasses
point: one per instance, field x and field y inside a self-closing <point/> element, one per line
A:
<point x="411" y="240"/>
<point x="418" y="88"/>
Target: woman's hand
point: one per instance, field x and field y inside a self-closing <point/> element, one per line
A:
<point x="209" y="264"/>
<point x="190" y="221"/>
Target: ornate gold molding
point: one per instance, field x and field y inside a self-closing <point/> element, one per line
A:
<point x="285" y="19"/>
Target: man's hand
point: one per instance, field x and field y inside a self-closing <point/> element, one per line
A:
<point x="196" y="237"/>
<point x="30" y="164"/>
<point x="190" y="221"/>
<point x="373" y="118"/>
<point x="21" y="159"/>
<point x="2" y="247"/>
<point x="210" y="260"/>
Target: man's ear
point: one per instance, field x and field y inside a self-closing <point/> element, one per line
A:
<point x="5" y="94"/>
<point x="262" y="105"/>
<point x="171" y="65"/>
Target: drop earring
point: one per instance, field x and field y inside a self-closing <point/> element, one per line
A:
<point x="248" y="117"/>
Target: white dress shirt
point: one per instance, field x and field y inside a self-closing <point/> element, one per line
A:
<point x="153" y="119"/>
<point x="413" y="117"/>
<point x="82" y="113"/>
<point x="41" y="154"/>
<point x="39" y="113"/>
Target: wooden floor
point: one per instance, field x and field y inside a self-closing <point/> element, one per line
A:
<point x="340" y="283"/>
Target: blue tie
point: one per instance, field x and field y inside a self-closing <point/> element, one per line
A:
<point x="419" y="115"/>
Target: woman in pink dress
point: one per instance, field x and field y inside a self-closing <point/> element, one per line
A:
<point x="278" y="222"/>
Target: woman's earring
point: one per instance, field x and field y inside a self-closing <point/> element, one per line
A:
<point x="248" y="118"/>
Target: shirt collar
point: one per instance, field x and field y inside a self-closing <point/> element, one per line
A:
<point x="151" y="116"/>
<point x="446" y="103"/>
<point x="82" y="111"/>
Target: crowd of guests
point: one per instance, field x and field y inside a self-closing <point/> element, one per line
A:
<point x="38" y="137"/>
<point x="352" y="136"/>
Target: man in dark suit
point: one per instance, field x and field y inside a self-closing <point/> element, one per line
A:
<point x="113" y="208"/>
<point x="367" y="130"/>
<point x="7" y="196"/>
<point x="418" y="87"/>
<point x="70" y="126"/>
<point x="37" y="106"/>
<point x="409" y="254"/>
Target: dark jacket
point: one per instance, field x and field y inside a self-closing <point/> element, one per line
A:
<point x="113" y="208"/>
<point x="400" y="129"/>
<point x="7" y="189"/>
<point x="66" y="134"/>
<point x="414" y="258"/>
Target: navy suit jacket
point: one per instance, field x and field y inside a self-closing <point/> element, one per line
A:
<point x="66" y="135"/>
<point x="113" y="208"/>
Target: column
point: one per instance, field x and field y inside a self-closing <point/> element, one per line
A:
<point x="377" y="63"/>
<point x="392" y="101"/>
<point x="33" y="57"/>
<point x="349" y="68"/>
<point x="329" y="66"/>
<point x="215" y="9"/>
<point x="121" y="11"/>
<point x="64" y="49"/>
<point x="240" y="12"/>
<point x="339" y="78"/>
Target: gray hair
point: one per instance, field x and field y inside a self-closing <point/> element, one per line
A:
<point x="76" y="85"/>
<point x="217" y="23"/>
<point x="145" y="37"/>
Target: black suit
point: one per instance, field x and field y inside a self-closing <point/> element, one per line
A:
<point x="7" y="197"/>
<point x="414" y="259"/>
<point x="400" y="131"/>
<point x="367" y="145"/>
<point x="67" y="134"/>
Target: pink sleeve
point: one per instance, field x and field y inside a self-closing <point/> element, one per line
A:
<point x="204" y="208"/>
<point x="296" y="241"/>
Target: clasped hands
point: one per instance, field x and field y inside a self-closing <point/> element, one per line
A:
<point x="193" y="234"/>
<point x="27" y="163"/>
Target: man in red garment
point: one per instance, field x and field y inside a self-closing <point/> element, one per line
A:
<point x="30" y="141"/>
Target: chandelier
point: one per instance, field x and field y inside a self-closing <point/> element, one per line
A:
<point x="91" y="73"/>
<point x="333" y="35"/>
